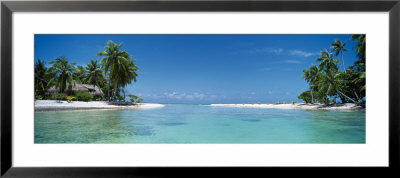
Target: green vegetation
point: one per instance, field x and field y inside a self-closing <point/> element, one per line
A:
<point x="80" y="74"/>
<point x="59" y="96"/>
<point x="135" y="99"/>
<point x="118" y="66"/>
<point x="71" y="98"/>
<point x="42" y="78"/>
<point x="62" y="76"/>
<point x="62" y="73"/>
<point x="327" y="83"/>
<point x="84" y="96"/>
<point x="95" y="75"/>
<point x="139" y="100"/>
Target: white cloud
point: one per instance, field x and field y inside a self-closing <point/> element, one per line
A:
<point x="292" y="52"/>
<point x="297" y="52"/>
<point x="292" y="61"/>
<point x="266" y="50"/>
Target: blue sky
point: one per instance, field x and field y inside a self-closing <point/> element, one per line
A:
<point x="206" y="68"/>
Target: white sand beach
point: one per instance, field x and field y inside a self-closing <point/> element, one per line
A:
<point x="53" y="105"/>
<point x="347" y="106"/>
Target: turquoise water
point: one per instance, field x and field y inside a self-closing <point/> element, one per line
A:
<point x="200" y="124"/>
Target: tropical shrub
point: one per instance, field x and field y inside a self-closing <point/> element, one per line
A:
<point x="120" y="98"/>
<point x="38" y="97"/>
<point x="139" y="100"/>
<point x="293" y="102"/>
<point x="305" y="96"/>
<point x="70" y="98"/>
<point x="58" y="96"/>
<point x="83" y="96"/>
<point x="133" y="98"/>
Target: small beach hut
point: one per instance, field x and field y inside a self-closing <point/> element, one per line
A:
<point x="94" y="90"/>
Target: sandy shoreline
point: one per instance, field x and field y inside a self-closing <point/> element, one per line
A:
<point x="344" y="107"/>
<point x="53" y="105"/>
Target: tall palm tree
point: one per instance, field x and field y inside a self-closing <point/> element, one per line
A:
<point x="328" y="82"/>
<point x="95" y="75"/>
<point x="311" y="75"/>
<point x="338" y="48"/>
<point x="128" y="74"/>
<point x="63" y="73"/>
<point x="114" y="60"/>
<point x="360" y="51"/>
<point x="40" y="78"/>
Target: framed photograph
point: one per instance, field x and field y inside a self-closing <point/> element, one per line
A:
<point x="161" y="88"/>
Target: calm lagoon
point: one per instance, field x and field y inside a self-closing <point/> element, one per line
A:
<point x="200" y="124"/>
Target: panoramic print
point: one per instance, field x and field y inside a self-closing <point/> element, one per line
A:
<point x="200" y="89"/>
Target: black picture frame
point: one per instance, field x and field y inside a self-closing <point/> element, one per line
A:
<point x="8" y="7"/>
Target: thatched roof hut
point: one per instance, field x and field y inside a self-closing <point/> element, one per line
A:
<point x="94" y="90"/>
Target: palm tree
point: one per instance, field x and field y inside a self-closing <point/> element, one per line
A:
<point x="40" y="78"/>
<point x="360" y="51"/>
<point x="80" y="74"/>
<point x="128" y="74"/>
<point x="327" y="63"/>
<point x="115" y="60"/>
<point x="63" y="73"/>
<point x="328" y="81"/>
<point x="338" y="48"/>
<point x="311" y="75"/>
<point x="360" y="46"/>
<point x="95" y="74"/>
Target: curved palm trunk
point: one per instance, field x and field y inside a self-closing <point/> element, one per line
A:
<point x="102" y="94"/>
<point x="312" y="97"/>
<point x="345" y="96"/>
<point x="344" y="68"/>
<point x="109" y="83"/>
<point x="115" y="90"/>
<point x="123" y="91"/>
<point x="358" y="98"/>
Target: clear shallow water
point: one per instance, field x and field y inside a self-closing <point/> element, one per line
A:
<point x="200" y="124"/>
